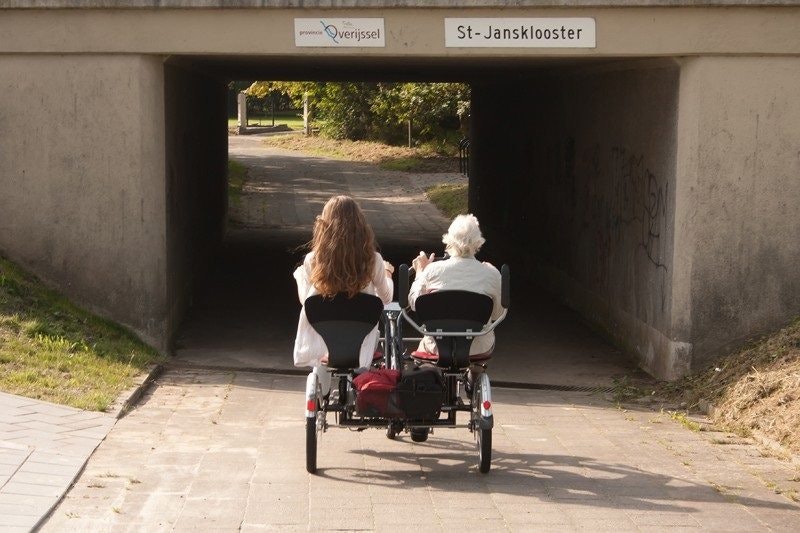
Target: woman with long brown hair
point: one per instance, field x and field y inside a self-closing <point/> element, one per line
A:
<point x="343" y="259"/>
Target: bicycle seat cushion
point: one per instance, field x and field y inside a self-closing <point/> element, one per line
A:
<point x="434" y="357"/>
<point x="455" y="312"/>
<point x="343" y="323"/>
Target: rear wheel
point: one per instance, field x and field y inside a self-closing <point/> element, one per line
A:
<point x="419" y="434"/>
<point x="483" y="422"/>
<point x="484" y="437"/>
<point x="311" y="445"/>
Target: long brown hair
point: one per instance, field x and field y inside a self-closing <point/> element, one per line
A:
<point x="344" y="248"/>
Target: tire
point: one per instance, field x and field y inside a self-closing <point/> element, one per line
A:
<point x="391" y="432"/>
<point x="419" y="434"/>
<point x="311" y="445"/>
<point x="484" y="437"/>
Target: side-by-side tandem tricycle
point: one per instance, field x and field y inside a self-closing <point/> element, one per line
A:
<point x="404" y="391"/>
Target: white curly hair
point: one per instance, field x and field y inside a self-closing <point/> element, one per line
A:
<point x="463" y="237"/>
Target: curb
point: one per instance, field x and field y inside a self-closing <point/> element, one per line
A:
<point x="128" y="399"/>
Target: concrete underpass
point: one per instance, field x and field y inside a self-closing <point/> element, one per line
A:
<point x="649" y="183"/>
<point x="244" y="312"/>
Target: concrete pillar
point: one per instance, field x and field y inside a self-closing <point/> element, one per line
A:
<point x="737" y="201"/>
<point x="82" y="198"/>
<point x="306" y="115"/>
<point x="241" y="100"/>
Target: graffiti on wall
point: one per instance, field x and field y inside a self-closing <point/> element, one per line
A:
<point x="643" y="202"/>
<point x="623" y="205"/>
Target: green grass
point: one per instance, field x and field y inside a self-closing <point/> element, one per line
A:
<point x="293" y="119"/>
<point x="450" y="199"/>
<point x="54" y="351"/>
<point x="237" y="175"/>
<point x="682" y="417"/>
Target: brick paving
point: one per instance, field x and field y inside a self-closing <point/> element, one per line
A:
<point x="43" y="447"/>
<point x="224" y="451"/>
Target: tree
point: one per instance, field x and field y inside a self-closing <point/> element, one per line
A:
<point x="379" y="111"/>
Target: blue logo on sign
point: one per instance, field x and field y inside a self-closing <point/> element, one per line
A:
<point x="330" y="30"/>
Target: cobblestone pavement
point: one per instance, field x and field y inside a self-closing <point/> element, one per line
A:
<point x="223" y="451"/>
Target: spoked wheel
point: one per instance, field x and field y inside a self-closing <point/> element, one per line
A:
<point x="315" y="420"/>
<point x="419" y="434"/>
<point x="483" y="421"/>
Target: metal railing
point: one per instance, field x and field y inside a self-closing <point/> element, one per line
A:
<point x="463" y="156"/>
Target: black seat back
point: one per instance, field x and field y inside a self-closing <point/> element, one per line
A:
<point x="453" y="311"/>
<point x="343" y="323"/>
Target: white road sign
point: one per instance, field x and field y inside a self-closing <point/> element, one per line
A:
<point x="339" y="33"/>
<point x="519" y="32"/>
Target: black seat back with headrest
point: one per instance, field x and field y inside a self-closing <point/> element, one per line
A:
<point x="343" y="323"/>
<point x="453" y="311"/>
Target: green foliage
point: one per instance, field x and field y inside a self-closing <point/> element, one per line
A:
<point x="433" y="108"/>
<point x="380" y="111"/>
<point x="451" y="200"/>
<point x="345" y="111"/>
<point x="52" y="350"/>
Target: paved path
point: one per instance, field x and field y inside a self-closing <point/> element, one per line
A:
<point x="287" y="190"/>
<point x="221" y="451"/>
<point x="43" y="447"/>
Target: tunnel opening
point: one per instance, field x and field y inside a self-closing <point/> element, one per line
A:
<point x="571" y="169"/>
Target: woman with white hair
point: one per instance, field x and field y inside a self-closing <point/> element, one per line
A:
<point x="461" y="271"/>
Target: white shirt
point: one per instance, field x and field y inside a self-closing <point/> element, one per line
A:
<point x="309" y="348"/>
<point x="461" y="274"/>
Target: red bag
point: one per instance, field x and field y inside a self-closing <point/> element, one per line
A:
<point x="375" y="393"/>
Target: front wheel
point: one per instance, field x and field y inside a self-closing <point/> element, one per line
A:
<point x="419" y="434"/>
<point x="311" y="445"/>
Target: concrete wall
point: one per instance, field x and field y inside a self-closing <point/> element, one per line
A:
<point x="82" y="198"/>
<point x="738" y="200"/>
<point x="415" y="32"/>
<point x="584" y="171"/>
<point x="197" y="154"/>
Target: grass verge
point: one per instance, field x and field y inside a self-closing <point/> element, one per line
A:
<point x="237" y="175"/>
<point x="449" y="199"/>
<point x="52" y="350"/>
<point x="755" y="390"/>
<point x="422" y="159"/>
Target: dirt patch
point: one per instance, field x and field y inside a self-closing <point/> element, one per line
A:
<point x="387" y="157"/>
<point x="753" y="391"/>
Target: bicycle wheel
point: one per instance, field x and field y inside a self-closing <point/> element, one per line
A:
<point x="483" y="421"/>
<point x="311" y="445"/>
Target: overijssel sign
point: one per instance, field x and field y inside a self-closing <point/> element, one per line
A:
<point x="519" y="32"/>
<point x="344" y="33"/>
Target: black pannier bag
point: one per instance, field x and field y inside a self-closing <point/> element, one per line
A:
<point x="420" y="392"/>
